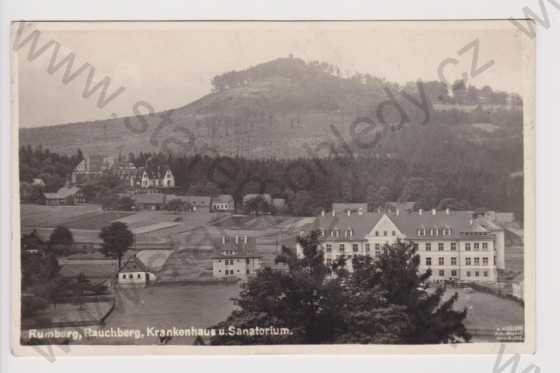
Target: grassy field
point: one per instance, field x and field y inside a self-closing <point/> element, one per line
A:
<point x="199" y="306"/>
<point x="96" y="220"/>
<point x="51" y="216"/>
<point x="487" y="311"/>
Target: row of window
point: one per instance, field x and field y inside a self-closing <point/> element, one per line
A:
<point x="434" y="231"/>
<point x="355" y="248"/>
<point x="453" y="246"/>
<point x="130" y="276"/>
<point x="230" y="272"/>
<point x="337" y="232"/>
<point x="427" y="247"/>
<point x="441" y="273"/>
<point x="230" y="261"/>
<point x="453" y="261"/>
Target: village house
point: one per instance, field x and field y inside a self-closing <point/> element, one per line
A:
<point x="236" y="257"/>
<point x="453" y="244"/>
<point x="135" y="273"/>
<point x="38" y="182"/>
<point x="149" y="201"/>
<point x="31" y="243"/>
<point x="65" y="196"/>
<point x="156" y="177"/>
<point x="91" y="166"/>
<point x="223" y="202"/>
<point x="126" y="171"/>
<point x="196" y="203"/>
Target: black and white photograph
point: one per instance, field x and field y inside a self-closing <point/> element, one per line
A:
<point x="267" y="186"/>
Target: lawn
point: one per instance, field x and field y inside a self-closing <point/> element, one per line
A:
<point x="51" y="216"/>
<point x="96" y="220"/>
<point x="199" y="306"/>
<point x="487" y="311"/>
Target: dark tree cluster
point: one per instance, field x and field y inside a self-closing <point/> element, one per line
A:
<point x="385" y="301"/>
<point x="462" y="180"/>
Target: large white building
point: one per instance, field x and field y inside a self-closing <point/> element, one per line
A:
<point x="453" y="244"/>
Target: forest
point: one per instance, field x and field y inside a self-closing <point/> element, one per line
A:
<point x="310" y="185"/>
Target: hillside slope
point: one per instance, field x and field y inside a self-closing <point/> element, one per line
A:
<point x="288" y="108"/>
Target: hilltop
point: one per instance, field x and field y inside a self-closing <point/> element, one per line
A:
<point x="289" y="108"/>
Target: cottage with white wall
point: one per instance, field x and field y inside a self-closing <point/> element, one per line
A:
<point x="135" y="273"/>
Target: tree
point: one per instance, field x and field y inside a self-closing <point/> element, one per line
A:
<point x="453" y="204"/>
<point x="314" y="302"/>
<point x="258" y="205"/>
<point x="432" y="319"/>
<point x="176" y="205"/>
<point x="303" y="299"/>
<point x="61" y="236"/>
<point x="117" y="239"/>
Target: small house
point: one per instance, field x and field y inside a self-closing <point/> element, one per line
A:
<point x="223" y="202"/>
<point x="149" y="201"/>
<point x="65" y="196"/>
<point x="135" y="273"/>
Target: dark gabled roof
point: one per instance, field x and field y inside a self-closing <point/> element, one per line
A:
<point x="231" y="244"/>
<point x="194" y="200"/>
<point x="459" y="223"/>
<point x="223" y="198"/>
<point x="134" y="265"/>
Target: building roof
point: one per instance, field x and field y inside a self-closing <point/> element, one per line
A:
<point x="237" y="245"/>
<point x="223" y="198"/>
<point x="150" y="198"/>
<point x="153" y="171"/>
<point x="460" y="224"/>
<point x="133" y="265"/>
<point x="351" y="206"/>
<point x="62" y="193"/>
<point x="194" y="200"/>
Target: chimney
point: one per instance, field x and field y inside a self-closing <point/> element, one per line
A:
<point x="333" y="213"/>
<point x="397" y="212"/>
<point x="420" y="212"/>
<point x="433" y="211"/>
<point x="447" y="211"/>
<point x="347" y="212"/>
<point x="323" y="212"/>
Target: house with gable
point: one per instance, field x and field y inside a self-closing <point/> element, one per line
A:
<point x="450" y="243"/>
<point x="236" y="257"/>
<point x="135" y="273"/>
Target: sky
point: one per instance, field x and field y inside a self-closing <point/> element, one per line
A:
<point x="171" y="64"/>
